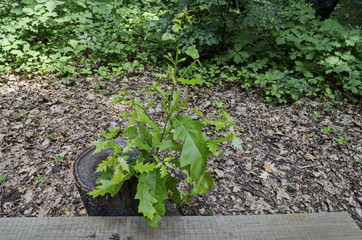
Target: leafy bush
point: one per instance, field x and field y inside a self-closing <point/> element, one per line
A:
<point x="278" y="45"/>
<point x="66" y="36"/>
<point x="177" y="143"/>
<point x="213" y="21"/>
<point x="299" y="55"/>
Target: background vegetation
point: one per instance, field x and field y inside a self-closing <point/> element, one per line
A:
<point x="276" y="45"/>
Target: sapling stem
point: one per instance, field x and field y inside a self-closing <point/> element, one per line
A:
<point x="173" y="73"/>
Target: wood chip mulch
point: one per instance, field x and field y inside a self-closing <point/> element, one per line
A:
<point x="301" y="158"/>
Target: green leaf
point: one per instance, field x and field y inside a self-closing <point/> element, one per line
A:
<point x="118" y="176"/>
<point x="212" y="146"/>
<point x="168" y="36"/>
<point x="192" y="52"/>
<point x="151" y="103"/>
<point x="141" y="115"/>
<point x="142" y="142"/>
<point x="118" y="98"/>
<point x="103" y="166"/>
<point x="122" y="161"/>
<point x="163" y="170"/>
<point x="172" y="187"/>
<point x="176" y="28"/>
<point x="3" y="177"/>
<point x="198" y="112"/>
<point x="51" y="5"/>
<point x="113" y="132"/>
<point x="160" y="190"/>
<point x="157" y="87"/>
<point x="145" y="135"/>
<point x="152" y="191"/>
<point x="203" y="185"/>
<point x="101" y="144"/>
<point x="174" y="103"/>
<point x="170" y="145"/>
<point x="342" y="68"/>
<point x="148" y="167"/>
<point x="219" y="124"/>
<point x="155" y="220"/>
<point x="43" y="18"/>
<point x="220" y="155"/>
<point x="194" y="153"/>
<point x="17" y="52"/>
<point x="160" y="76"/>
<point x="130" y="132"/>
<point x="146" y="200"/>
<point x="28" y="11"/>
<point x="73" y="43"/>
<point x="106" y="175"/>
<point x="161" y="193"/>
<point x="106" y="186"/>
<point x="192" y="81"/>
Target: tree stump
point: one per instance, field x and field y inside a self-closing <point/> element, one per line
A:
<point x="124" y="202"/>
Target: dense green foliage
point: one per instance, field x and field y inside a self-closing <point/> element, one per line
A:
<point x="177" y="143"/>
<point x="298" y="56"/>
<point x="70" y="37"/>
<point x="277" y="45"/>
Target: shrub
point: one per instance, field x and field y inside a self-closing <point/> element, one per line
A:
<point x="178" y="142"/>
<point x="39" y="35"/>
<point x="299" y="55"/>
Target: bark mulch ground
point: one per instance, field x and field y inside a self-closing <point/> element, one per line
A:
<point x="301" y="158"/>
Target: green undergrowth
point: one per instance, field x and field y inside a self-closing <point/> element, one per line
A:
<point x="67" y="37"/>
<point x="294" y="57"/>
<point x="276" y="45"/>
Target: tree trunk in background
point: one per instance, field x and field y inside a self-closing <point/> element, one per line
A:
<point x="323" y="7"/>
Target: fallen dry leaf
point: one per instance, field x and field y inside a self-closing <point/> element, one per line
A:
<point x="264" y="175"/>
<point x="281" y="193"/>
<point x="309" y="156"/>
<point x="269" y="167"/>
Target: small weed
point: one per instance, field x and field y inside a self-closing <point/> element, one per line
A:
<point x="93" y="105"/>
<point x="359" y="162"/>
<point x="21" y="113"/>
<point x="59" y="158"/>
<point x="328" y="107"/>
<point x="3" y="177"/>
<point x="292" y="186"/>
<point x="65" y="81"/>
<point x="65" y="209"/>
<point x="316" y="116"/>
<point x="40" y="178"/>
<point x="74" y="110"/>
<point x="96" y="87"/>
<point x="270" y="132"/>
<point x="327" y="129"/>
<point x="338" y="133"/>
<point x="99" y="88"/>
<point x="105" y="92"/>
<point x="208" y="213"/>
<point x="51" y="135"/>
<point x="340" y="140"/>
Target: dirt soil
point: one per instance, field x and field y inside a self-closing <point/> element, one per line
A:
<point x="302" y="158"/>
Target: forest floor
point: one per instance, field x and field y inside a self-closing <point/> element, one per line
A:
<point x="300" y="158"/>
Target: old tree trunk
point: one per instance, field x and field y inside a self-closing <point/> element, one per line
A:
<point x="323" y="7"/>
